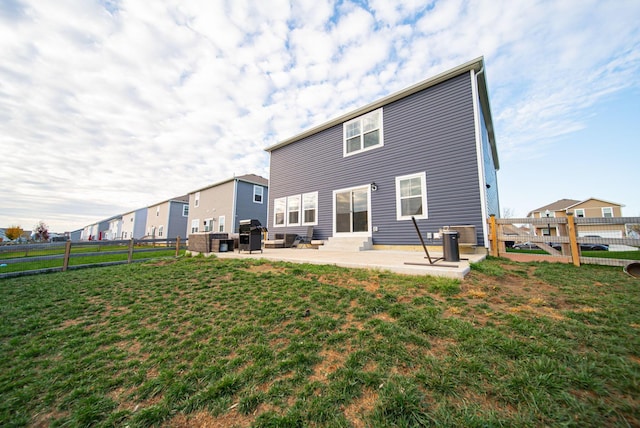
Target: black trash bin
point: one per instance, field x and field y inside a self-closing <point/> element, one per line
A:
<point x="450" y="249"/>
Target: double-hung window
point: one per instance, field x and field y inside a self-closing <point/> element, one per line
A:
<point x="293" y="210"/>
<point x="310" y="208"/>
<point x="196" y="202"/>
<point x="258" y="194"/>
<point x="579" y="212"/>
<point x="195" y="223"/>
<point x="221" y="225"/>
<point x="185" y="211"/>
<point x="363" y="133"/>
<point x="411" y="196"/>
<point x="607" y="212"/>
<point x="279" y="208"/>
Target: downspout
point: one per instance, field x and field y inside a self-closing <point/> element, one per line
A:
<point x="480" y="154"/>
<point x="233" y="209"/>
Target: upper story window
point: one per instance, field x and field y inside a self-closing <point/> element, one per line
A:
<point x="157" y="211"/>
<point x="363" y="133"/>
<point x="185" y="211"/>
<point x="197" y="200"/>
<point x="579" y="212"/>
<point x="258" y="193"/>
<point x="607" y="212"/>
<point x="411" y="196"/>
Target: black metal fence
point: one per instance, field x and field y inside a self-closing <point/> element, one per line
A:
<point x="26" y="259"/>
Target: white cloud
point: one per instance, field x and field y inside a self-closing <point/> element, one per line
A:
<point x="125" y="105"/>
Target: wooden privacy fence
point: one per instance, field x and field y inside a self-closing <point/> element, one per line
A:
<point x="570" y="239"/>
<point x="17" y="260"/>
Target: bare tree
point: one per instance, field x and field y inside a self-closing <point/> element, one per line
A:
<point x="41" y="232"/>
<point x="508" y="212"/>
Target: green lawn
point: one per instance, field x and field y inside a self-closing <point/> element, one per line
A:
<point x="211" y="342"/>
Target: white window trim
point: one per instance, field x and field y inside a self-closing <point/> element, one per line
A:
<point x="258" y="190"/>
<point x="423" y="184"/>
<point x="196" y="202"/>
<point x="222" y="224"/>
<point x="195" y="221"/>
<point x="302" y="209"/>
<point x="607" y="208"/>
<point x="185" y="208"/>
<point x="581" y="210"/>
<point x="160" y="231"/>
<point x="211" y="222"/>
<point x="293" y="198"/>
<point x="360" y="118"/>
<point x="275" y="212"/>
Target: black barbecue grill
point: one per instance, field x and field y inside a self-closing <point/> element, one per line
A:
<point x="250" y="235"/>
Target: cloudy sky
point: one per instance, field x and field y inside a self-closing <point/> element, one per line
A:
<point x="111" y="105"/>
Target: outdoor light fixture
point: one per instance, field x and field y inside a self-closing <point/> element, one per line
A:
<point x="374" y="187"/>
<point x="547" y="212"/>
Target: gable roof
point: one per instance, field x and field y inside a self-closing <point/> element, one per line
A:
<point x="559" y="205"/>
<point x="248" y="178"/>
<point x="596" y="199"/>
<point x="565" y="204"/>
<point x="477" y="65"/>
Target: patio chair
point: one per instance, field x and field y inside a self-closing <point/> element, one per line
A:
<point x="306" y="239"/>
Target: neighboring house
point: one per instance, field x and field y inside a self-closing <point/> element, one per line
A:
<point x="589" y="208"/>
<point x="134" y="224"/>
<point x="75" y="235"/>
<point x="97" y="231"/>
<point x="168" y="219"/>
<point x="220" y="206"/>
<point x="428" y="151"/>
<point x="115" y="228"/>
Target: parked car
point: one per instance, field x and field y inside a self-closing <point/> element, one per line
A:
<point x="525" y="246"/>
<point x="584" y="247"/>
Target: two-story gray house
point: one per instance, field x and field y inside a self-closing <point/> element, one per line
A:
<point x="220" y="206"/>
<point x="427" y="151"/>
<point x="168" y="219"/>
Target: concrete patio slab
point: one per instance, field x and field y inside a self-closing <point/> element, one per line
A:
<point x="403" y="262"/>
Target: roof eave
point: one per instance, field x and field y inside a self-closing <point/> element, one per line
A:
<point x="475" y="64"/>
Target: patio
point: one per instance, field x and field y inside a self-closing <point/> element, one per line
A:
<point x="404" y="262"/>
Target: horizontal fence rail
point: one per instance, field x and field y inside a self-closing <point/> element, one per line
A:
<point x="27" y="259"/>
<point x="606" y="241"/>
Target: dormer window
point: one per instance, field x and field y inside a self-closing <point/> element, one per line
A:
<point x="363" y="133"/>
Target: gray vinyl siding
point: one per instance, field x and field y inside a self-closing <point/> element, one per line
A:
<point x="246" y="208"/>
<point x="139" y="223"/>
<point x="177" y="222"/>
<point x="431" y="131"/>
<point x="490" y="173"/>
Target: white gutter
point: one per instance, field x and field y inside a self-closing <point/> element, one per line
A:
<point x="480" y="153"/>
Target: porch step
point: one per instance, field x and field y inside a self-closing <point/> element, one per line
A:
<point x="347" y="244"/>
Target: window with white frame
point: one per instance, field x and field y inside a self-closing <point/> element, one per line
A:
<point x="279" y="211"/>
<point x="411" y="196"/>
<point x="185" y="211"/>
<point x="293" y="210"/>
<point x="579" y="212"/>
<point x="258" y="193"/>
<point x="196" y="203"/>
<point x="195" y="223"/>
<point x="310" y="208"/>
<point x="208" y="224"/>
<point x="363" y="133"/>
<point x="160" y="231"/>
<point x="221" y="224"/>
<point x="157" y="211"/>
<point x="607" y="212"/>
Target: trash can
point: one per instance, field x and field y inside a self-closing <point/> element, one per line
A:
<point x="450" y="250"/>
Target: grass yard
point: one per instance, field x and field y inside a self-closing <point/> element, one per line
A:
<point x="222" y="343"/>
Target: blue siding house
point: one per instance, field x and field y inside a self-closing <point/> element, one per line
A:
<point x="428" y="151"/>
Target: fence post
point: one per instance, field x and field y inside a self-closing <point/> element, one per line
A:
<point x="130" y="258"/>
<point x="67" y="254"/>
<point x="177" y="246"/>
<point x="494" y="235"/>
<point x="575" y="251"/>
